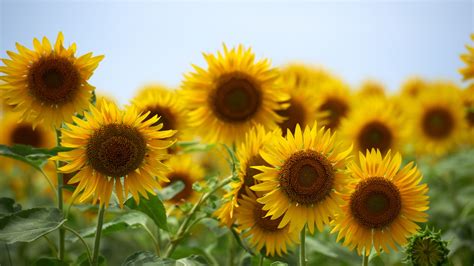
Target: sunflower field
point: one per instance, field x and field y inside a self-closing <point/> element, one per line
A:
<point x="246" y="163"/>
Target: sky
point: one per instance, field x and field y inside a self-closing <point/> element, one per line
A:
<point x="157" y="41"/>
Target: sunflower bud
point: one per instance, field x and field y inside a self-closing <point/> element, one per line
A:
<point x="427" y="248"/>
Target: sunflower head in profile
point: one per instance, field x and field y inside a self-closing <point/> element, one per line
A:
<point x="438" y="119"/>
<point x="48" y="85"/>
<point x="413" y="86"/>
<point x="114" y="149"/>
<point x="302" y="75"/>
<point x="335" y="98"/>
<point x="382" y="203"/>
<point x="375" y="124"/>
<point x="306" y="170"/>
<point x="248" y="156"/>
<point x="371" y="88"/>
<point x="183" y="168"/>
<point x="262" y="231"/>
<point x="468" y="58"/>
<point x="232" y="95"/>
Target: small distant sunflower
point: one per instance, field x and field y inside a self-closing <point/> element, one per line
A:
<point x="335" y="99"/>
<point x="48" y="85"/>
<point x="182" y="168"/>
<point x="374" y="124"/>
<point x="468" y="71"/>
<point x="438" y="119"/>
<point x="166" y="104"/>
<point x="113" y="148"/>
<point x="371" y="88"/>
<point x="248" y="156"/>
<point x="14" y="132"/>
<point x="412" y="87"/>
<point x="303" y="75"/>
<point x="382" y="203"/>
<point x="468" y="99"/>
<point x="306" y="171"/>
<point x="262" y="231"/>
<point x="234" y="94"/>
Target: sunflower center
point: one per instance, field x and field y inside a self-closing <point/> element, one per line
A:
<point x="54" y="80"/>
<point x="295" y="114"/>
<point x="470" y="117"/>
<point x="250" y="172"/>
<point x="187" y="190"/>
<point x="438" y="123"/>
<point x="265" y="223"/>
<point x="375" y="135"/>
<point x="375" y="203"/>
<point x="337" y="109"/>
<point x="116" y="150"/>
<point x="236" y="98"/>
<point x="26" y="135"/>
<point x="307" y="177"/>
<point x="166" y="117"/>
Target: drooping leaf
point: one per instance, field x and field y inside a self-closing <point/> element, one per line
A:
<point x="153" y="207"/>
<point x="8" y="206"/>
<point x="36" y="157"/>
<point x="29" y="225"/>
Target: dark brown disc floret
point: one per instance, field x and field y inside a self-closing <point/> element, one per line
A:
<point x="26" y="135"/>
<point x="265" y="223"/>
<point x="167" y="118"/>
<point x="187" y="191"/>
<point x="337" y="109"/>
<point x="294" y="114"/>
<point x="375" y="135"/>
<point x="438" y="123"/>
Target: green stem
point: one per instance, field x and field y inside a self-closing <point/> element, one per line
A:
<point x="155" y="242"/>
<point x="8" y="254"/>
<point x="62" y="231"/>
<point x="260" y="262"/>
<point x="365" y="259"/>
<point x="53" y="188"/>
<point x="183" y="229"/>
<point x="302" y="247"/>
<point x="98" y="232"/>
<point x="51" y="246"/>
<point x="88" y="250"/>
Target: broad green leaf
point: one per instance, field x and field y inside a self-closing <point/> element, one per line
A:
<point x="29" y="225"/>
<point x="50" y="262"/>
<point x="84" y="261"/>
<point x="8" y="206"/>
<point x="193" y="260"/>
<point x="147" y="258"/>
<point x="153" y="207"/>
<point x="35" y="157"/>
<point x="170" y="191"/>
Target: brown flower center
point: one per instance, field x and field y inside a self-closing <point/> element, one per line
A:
<point x="26" y="135"/>
<point x="236" y="99"/>
<point x="307" y="177"/>
<point x="337" y="109"/>
<point x="54" y="80"/>
<point x="187" y="191"/>
<point x="438" y="123"/>
<point x="470" y="116"/>
<point x="166" y="116"/>
<point x="265" y="223"/>
<point x="116" y="150"/>
<point x="375" y="203"/>
<point x="256" y="160"/>
<point x="295" y="114"/>
<point x="375" y="135"/>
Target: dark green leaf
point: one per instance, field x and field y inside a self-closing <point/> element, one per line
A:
<point x="84" y="261"/>
<point x="8" y="206"/>
<point x="153" y="207"/>
<point x="50" y="262"/>
<point x="29" y="225"/>
<point x="35" y="157"/>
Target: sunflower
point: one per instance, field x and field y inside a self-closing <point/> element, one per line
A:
<point x="14" y="132"/>
<point x="382" y="203"/>
<point x="182" y="168"/>
<point x="371" y="88"/>
<point x="335" y="99"/>
<point x="468" y="71"/>
<point x="376" y="123"/>
<point x="305" y="173"/>
<point x="234" y="94"/>
<point x="412" y="87"/>
<point x="468" y="99"/>
<point x="437" y="117"/>
<point x="248" y="156"/>
<point x="262" y="231"/>
<point x="113" y="148"/>
<point x="166" y="104"/>
<point x="48" y="85"/>
<point x="302" y="75"/>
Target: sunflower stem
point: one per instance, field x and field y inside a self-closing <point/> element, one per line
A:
<point x="302" y="247"/>
<point x="365" y="259"/>
<point x="183" y="229"/>
<point x="62" y="231"/>
<point x="260" y="261"/>
<point x="88" y="251"/>
<point x="100" y="222"/>
<point x="8" y="254"/>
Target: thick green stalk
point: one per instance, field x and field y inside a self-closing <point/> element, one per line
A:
<point x="62" y="231"/>
<point x="100" y="222"/>
<point x="365" y="259"/>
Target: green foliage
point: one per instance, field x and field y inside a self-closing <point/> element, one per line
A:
<point x="153" y="207"/>
<point x="29" y="225"/>
<point x="82" y="260"/>
<point x="50" y="262"/>
<point x="148" y="258"/>
<point x="8" y="206"/>
<point x="35" y="157"/>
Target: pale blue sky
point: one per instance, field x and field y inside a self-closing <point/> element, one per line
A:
<point x="156" y="41"/>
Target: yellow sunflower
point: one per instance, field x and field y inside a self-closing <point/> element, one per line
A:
<point x="437" y="118"/>
<point x="48" y="85"/>
<point x="234" y="94"/>
<point x="306" y="171"/>
<point x="371" y="88"/>
<point x="412" y="87"/>
<point x="183" y="168"/>
<point x="376" y="123"/>
<point x="15" y="132"/>
<point x="468" y="71"/>
<point x="382" y="203"/>
<point x="262" y="231"/>
<point x="335" y="98"/>
<point x="303" y="75"/>
<point x="248" y="156"/>
<point x="468" y="99"/>
<point x="113" y="148"/>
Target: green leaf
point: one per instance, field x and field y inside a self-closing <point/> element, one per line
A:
<point x="279" y="263"/>
<point x="8" y="206"/>
<point x="29" y="225"/>
<point x="50" y="262"/>
<point x="193" y="260"/>
<point x="153" y="207"/>
<point x="194" y="146"/>
<point x="170" y="191"/>
<point x="147" y="258"/>
<point x="82" y="260"/>
<point x="35" y="157"/>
